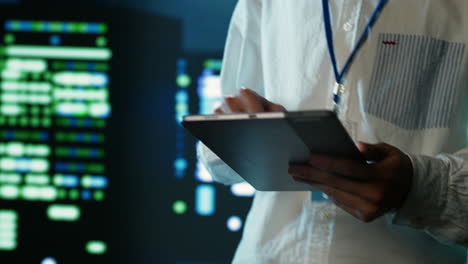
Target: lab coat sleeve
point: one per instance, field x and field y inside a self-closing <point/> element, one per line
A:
<point x="242" y="66"/>
<point x="438" y="200"/>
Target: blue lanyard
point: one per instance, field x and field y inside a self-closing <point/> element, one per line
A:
<point x="331" y="49"/>
<point x="318" y="196"/>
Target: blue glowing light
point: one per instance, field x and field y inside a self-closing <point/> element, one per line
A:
<point x="9" y="25"/>
<point x="79" y="167"/>
<point x="69" y="65"/>
<point x="93" y="153"/>
<point x="180" y="164"/>
<point x="73" y="152"/>
<point x="61" y="166"/>
<point x="90" y="66"/>
<point x="209" y="91"/>
<point x="101" y="79"/>
<point x="46" y="26"/>
<point x="96" y="182"/>
<point x="55" y="40"/>
<point x="23" y="165"/>
<point x="25" y="26"/>
<point x="69" y="181"/>
<point x="44" y="136"/>
<point x="93" y="28"/>
<point x="205" y="200"/>
<point x="234" y="223"/>
<point x="181" y="63"/>
<point x="49" y="260"/>
<point x="86" y="195"/>
<point x="10" y="135"/>
<point x="67" y="27"/>
<point x="182" y="96"/>
<point x="69" y="167"/>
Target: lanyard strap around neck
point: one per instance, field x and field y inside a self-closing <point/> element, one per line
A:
<point x="339" y="75"/>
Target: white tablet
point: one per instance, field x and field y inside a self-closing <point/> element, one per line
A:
<point x="260" y="146"/>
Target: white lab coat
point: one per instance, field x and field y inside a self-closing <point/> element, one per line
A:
<point x="407" y="88"/>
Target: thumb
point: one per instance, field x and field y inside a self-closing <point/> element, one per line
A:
<point x="374" y="152"/>
<point x="272" y="107"/>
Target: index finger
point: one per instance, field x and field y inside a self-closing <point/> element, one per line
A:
<point x="252" y="102"/>
<point x="341" y="166"/>
<point x="266" y="105"/>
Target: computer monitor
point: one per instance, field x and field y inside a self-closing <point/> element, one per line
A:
<point x="206" y="213"/>
<point x="81" y="93"/>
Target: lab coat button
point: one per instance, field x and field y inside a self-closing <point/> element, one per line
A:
<point x="348" y="26"/>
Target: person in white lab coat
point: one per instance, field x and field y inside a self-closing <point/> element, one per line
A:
<point x="406" y="96"/>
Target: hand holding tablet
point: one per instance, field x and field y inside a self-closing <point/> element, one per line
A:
<point x="260" y="146"/>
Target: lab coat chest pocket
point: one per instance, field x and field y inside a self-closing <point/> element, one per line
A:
<point x="415" y="80"/>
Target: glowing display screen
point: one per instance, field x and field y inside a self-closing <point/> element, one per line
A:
<point x="205" y="89"/>
<point x="54" y="106"/>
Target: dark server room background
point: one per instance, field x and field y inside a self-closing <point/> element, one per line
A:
<point x="94" y="165"/>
